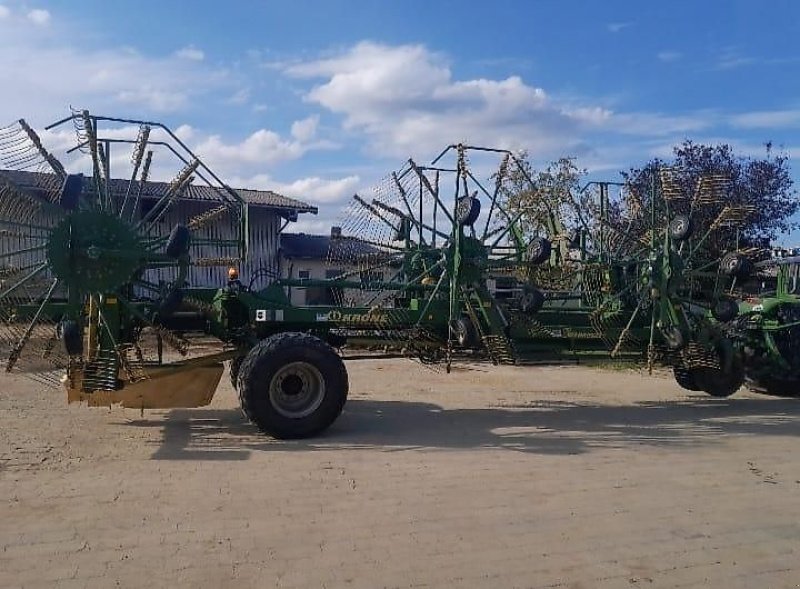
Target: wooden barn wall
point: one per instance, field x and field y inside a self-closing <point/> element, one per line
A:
<point x="264" y="225"/>
<point x="262" y="260"/>
<point x="14" y="239"/>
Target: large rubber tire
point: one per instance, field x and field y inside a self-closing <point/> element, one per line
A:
<point x="685" y="378"/>
<point x="292" y="385"/>
<point x="734" y="264"/>
<point x="531" y="300"/>
<point x="468" y="209"/>
<point x="721" y="384"/>
<point x="71" y="336"/>
<point x="539" y="250"/>
<point x="464" y="332"/>
<point x="178" y="242"/>
<point x="680" y="228"/>
<point x="673" y="337"/>
<point x="233" y="370"/>
<point x="777" y="386"/>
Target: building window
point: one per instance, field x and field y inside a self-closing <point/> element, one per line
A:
<point x="330" y="295"/>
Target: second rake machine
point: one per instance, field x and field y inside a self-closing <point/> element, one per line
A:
<point x="653" y="274"/>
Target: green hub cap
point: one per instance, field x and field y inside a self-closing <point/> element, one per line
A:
<point x="94" y="251"/>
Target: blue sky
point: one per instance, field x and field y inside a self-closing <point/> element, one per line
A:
<point x="319" y="99"/>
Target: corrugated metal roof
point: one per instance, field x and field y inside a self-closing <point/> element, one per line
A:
<point x="268" y="198"/>
<point x="302" y="246"/>
<point x="256" y="198"/>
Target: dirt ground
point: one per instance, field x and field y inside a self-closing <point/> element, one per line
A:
<point x="487" y="477"/>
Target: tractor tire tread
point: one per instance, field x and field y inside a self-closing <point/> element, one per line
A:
<point x="685" y="378"/>
<point x="254" y="372"/>
<point x="233" y="370"/>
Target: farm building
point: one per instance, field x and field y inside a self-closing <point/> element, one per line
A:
<point x="319" y="257"/>
<point x="267" y="212"/>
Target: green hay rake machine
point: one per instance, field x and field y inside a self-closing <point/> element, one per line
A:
<point x="97" y="281"/>
<point x="647" y="275"/>
<point x="89" y="272"/>
<point x="768" y="327"/>
<point x="98" y="278"/>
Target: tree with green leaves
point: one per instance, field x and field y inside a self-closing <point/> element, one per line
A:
<point x="763" y="186"/>
<point x="551" y="201"/>
<point x="547" y="201"/>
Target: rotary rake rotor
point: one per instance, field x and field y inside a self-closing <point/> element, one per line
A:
<point x="429" y="242"/>
<point x="92" y="266"/>
<point x="657" y="273"/>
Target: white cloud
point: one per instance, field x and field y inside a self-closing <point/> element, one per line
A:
<point x="320" y="190"/>
<point x="4" y="11"/>
<point x="155" y="98"/>
<point x="240" y="97"/>
<point x="656" y="124"/>
<point x="730" y="58"/>
<point x="616" y="27"/>
<point x="306" y="129"/>
<point x="261" y="147"/>
<point x="669" y="56"/>
<point x="593" y="115"/>
<point x="185" y="132"/>
<point x="310" y="225"/>
<point x="767" y="119"/>
<point x="39" y="16"/>
<point x="45" y="62"/>
<point x="314" y="190"/>
<point x="405" y="99"/>
<point x="191" y="53"/>
<point x="731" y="63"/>
<point x="164" y="167"/>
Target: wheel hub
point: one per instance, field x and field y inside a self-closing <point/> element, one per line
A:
<point x="297" y="390"/>
<point x="292" y="385"/>
<point x="94" y="251"/>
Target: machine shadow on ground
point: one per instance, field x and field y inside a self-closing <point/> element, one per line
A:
<point x="542" y="427"/>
